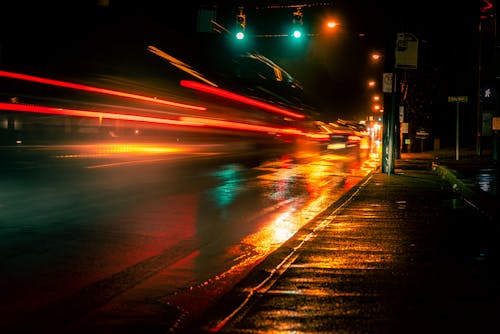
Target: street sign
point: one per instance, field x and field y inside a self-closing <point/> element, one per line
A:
<point x="496" y="123"/>
<point x="458" y="98"/>
<point x="422" y="133"/>
<point x="387" y="83"/>
<point x="401" y="114"/>
<point x="404" y="127"/>
<point x="406" y="51"/>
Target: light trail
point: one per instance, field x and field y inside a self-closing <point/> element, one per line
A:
<point x="239" y="98"/>
<point x="179" y="64"/>
<point x="98" y="90"/>
<point x="182" y="121"/>
<point x="92" y="114"/>
<point x="242" y="126"/>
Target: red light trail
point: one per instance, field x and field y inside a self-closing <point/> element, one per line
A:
<point x="96" y="90"/>
<point x="183" y="121"/>
<point x="91" y="114"/>
<point x="239" y="98"/>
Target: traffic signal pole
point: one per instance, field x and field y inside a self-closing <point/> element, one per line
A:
<point x="388" y="120"/>
<point x="402" y="55"/>
<point x="389" y="130"/>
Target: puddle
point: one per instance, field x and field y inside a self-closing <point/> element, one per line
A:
<point x="487" y="180"/>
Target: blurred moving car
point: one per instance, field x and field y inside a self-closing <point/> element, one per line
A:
<point x="335" y="136"/>
<point x="163" y="92"/>
<point x="360" y="130"/>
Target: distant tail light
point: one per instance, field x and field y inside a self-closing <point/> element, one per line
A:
<point x="353" y="139"/>
<point x="319" y="136"/>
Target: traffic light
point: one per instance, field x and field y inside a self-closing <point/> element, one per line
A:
<point x="487" y="10"/>
<point x="297" y="24"/>
<point x="240" y="24"/>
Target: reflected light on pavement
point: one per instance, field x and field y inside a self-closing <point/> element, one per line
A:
<point x="113" y="149"/>
<point x="289" y="220"/>
<point x="274" y="233"/>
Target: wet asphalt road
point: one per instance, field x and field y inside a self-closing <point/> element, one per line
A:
<point x="398" y="254"/>
<point x="95" y="239"/>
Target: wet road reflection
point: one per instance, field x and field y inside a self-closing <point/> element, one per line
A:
<point x="90" y="234"/>
<point x="487" y="180"/>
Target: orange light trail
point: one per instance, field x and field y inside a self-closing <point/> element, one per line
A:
<point x="318" y="136"/>
<point x="97" y="90"/>
<point x="235" y="97"/>
<point x="91" y="114"/>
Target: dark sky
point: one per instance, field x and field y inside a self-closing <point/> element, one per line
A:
<point x="332" y="68"/>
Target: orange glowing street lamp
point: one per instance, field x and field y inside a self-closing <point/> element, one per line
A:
<point x="376" y="57"/>
<point x="331" y="24"/>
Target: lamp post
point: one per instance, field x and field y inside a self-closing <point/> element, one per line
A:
<point x="404" y="57"/>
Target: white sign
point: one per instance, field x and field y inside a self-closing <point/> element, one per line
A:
<point x="387" y="83"/>
<point x="406" y="51"/>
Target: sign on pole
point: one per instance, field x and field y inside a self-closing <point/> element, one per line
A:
<point x="496" y="123"/>
<point x="458" y="98"/>
<point x="406" y="51"/>
<point x="387" y="83"/>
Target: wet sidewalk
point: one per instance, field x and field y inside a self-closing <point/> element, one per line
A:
<point x="399" y="253"/>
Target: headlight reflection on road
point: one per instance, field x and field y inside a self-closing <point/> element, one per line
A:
<point x="275" y="233"/>
<point x="115" y="150"/>
<point x="230" y="187"/>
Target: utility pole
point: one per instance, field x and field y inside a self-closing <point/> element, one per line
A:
<point x="389" y="88"/>
<point x="402" y="55"/>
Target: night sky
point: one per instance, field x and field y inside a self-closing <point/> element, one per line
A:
<point x="333" y="69"/>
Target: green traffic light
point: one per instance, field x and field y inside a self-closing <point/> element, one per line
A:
<point x="297" y="34"/>
<point x="240" y="35"/>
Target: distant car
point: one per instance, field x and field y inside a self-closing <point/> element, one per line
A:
<point x="334" y="136"/>
<point x="360" y="135"/>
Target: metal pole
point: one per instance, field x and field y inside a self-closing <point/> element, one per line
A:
<point x="388" y="140"/>
<point x="457" y="150"/>
<point x="392" y="126"/>
<point x="388" y="145"/>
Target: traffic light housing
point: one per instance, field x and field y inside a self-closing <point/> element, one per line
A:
<point x="241" y="22"/>
<point x="297" y="24"/>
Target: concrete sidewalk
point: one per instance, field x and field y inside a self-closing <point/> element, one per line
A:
<point x="400" y="253"/>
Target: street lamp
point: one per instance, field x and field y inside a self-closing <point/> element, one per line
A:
<point x="376" y="57"/>
<point x="331" y="24"/>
